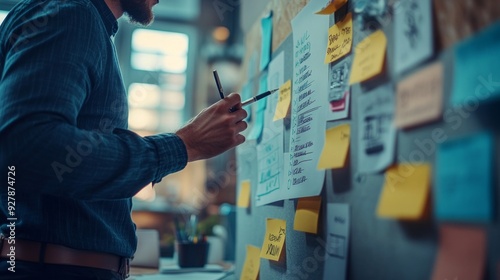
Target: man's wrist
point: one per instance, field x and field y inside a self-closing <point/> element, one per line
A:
<point x="192" y="152"/>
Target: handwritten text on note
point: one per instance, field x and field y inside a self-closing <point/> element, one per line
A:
<point x="307" y="116"/>
<point x="274" y="239"/>
<point x="339" y="39"/>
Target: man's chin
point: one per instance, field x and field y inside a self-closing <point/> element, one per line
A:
<point x="144" y="21"/>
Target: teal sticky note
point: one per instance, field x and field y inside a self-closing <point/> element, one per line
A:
<point x="246" y="93"/>
<point x="477" y="72"/>
<point x="261" y="104"/>
<point x="258" y="124"/>
<point x="266" y="24"/>
<point x="463" y="182"/>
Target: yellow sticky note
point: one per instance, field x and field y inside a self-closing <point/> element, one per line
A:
<point x="244" y="197"/>
<point x="307" y="214"/>
<point x="331" y="7"/>
<point x="336" y="147"/>
<point x="252" y="264"/>
<point x="283" y="101"/>
<point x="405" y="192"/>
<point x="274" y="240"/>
<point x="339" y="39"/>
<point x="369" y="57"/>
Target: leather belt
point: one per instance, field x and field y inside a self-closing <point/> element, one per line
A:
<point x="32" y="251"/>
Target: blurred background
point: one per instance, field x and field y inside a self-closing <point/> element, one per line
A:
<point x="167" y="69"/>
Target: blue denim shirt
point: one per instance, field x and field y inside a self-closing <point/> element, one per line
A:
<point x="63" y="120"/>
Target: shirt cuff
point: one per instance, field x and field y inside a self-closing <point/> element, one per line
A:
<point x="171" y="154"/>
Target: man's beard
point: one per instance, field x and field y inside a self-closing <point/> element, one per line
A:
<point x="138" y="11"/>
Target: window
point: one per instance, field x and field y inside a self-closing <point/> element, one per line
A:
<point x="157" y="104"/>
<point x="158" y="68"/>
<point x="154" y="50"/>
<point x="3" y="15"/>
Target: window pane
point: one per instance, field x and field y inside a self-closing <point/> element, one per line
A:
<point x="146" y="62"/>
<point x="173" y="100"/>
<point x="171" y="121"/>
<point x="155" y="62"/>
<point x="154" y="50"/>
<point x="174" y="64"/>
<point x="154" y="41"/>
<point x="3" y="14"/>
<point x="144" y="95"/>
<point x="173" y="81"/>
<point x="142" y="119"/>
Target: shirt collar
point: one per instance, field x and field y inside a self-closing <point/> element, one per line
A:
<point x="107" y="16"/>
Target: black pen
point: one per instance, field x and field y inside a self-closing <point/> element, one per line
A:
<point x="219" y="86"/>
<point x="255" y="98"/>
<point x="258" y="97"/>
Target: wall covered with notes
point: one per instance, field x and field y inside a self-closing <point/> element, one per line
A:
<point x="378" y="156"/>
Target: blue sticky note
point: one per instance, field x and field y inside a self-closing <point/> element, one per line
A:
<point x="261" y="104"/>
<point x="463" y="182"/>
<point x="477" y="72"/>
<point x="246" y="92"/>
<point x="258" y="125"/>
<point x="266" y="24"/>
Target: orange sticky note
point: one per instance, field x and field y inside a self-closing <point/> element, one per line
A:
<point x="284" y="99"/>
<point x="339" y="39"/>
<point x="369" y="57"/>
<point x="419" y="97"/>
<point x="307" y="214"/>
<point x="252" y="264"/>
<point x="331" y="7"/>
<point x="405" y="192"/>
<point x="244" y="197"/>
<point x="336" y="147"/>
<point x="274" y="240"/>
<point x="461" y="253"/>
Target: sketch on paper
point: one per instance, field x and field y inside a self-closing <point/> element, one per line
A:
<point x="377" y="136"/>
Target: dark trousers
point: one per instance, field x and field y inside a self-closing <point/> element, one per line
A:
<point x="31" y="270"/>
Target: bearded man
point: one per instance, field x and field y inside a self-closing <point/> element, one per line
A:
<point x="72" y="166"/>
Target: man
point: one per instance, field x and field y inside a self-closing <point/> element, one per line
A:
<point x="72" y="167"/>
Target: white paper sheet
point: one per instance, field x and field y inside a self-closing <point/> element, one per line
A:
<point x="308" y="117"/>
<point x="376" y="131"/>
<point x="270" y="186"/>
<point x="412" y="33"/>
<point x="259" y="121"/>
<point x="337" y="241"/>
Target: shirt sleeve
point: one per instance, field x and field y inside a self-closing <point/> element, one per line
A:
<point x="49" y="69"/>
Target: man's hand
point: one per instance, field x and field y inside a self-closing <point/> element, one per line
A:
<point x="215" y="129"/>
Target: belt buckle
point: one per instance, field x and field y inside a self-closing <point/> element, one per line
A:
<point x="124" y="269"/>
